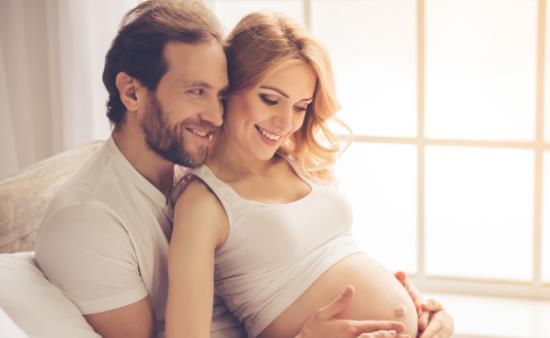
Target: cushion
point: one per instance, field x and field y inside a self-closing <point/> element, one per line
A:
<point x="9" y="328"/>
<point x="25" y="196"/>
<point x="35" y="305"/>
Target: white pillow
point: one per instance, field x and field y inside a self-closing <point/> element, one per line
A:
<point x="25" y="196"/>
<point x="8" y="327"/>
<point x="35" y="305"/>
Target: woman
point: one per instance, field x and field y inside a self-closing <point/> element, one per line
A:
<point x="262" y="224"/>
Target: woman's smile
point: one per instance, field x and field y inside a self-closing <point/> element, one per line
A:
<point x="267" y="136"/>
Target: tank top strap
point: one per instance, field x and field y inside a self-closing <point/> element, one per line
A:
<point x="224" y="193"/>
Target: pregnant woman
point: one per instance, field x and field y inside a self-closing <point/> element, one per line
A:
<point x="262" y="224"/>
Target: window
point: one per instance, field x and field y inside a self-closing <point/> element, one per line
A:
<point x="449" y="171"/>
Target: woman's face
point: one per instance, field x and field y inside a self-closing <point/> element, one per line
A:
<point x="261" y="118"/>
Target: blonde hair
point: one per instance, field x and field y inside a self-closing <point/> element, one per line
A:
<point x="262" y="42"/>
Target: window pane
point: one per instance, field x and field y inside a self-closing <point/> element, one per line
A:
<point x="373" y="48"/>
<point x="479" y="212"/>
<point x="231" y="12"/>
<point x="480" y="69"/>
<point x="546" y="219"/>
<point x="380" y="181"/>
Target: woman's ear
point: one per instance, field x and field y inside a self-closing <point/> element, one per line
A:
<point x="127" y="87"/>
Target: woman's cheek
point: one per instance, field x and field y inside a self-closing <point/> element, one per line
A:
<point x="298" y="124"/>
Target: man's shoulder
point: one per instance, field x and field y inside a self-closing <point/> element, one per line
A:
<point x="95" y="183"/>
<point x="79" y="218"/>
<point x="85" y="198"/>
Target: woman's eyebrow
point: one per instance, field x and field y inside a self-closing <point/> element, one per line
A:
<point x="275" y="89"/>
<point x="283" y="93"/>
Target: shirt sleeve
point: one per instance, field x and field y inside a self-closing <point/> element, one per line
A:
<point x="85" y="250"/>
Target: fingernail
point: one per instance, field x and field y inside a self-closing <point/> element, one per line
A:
<point x="392" y="333"/>
<point x="347" y="290"/>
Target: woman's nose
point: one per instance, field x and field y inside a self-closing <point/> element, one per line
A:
<point x="283" y="121"/>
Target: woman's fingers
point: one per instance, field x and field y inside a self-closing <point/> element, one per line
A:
<point x="441" y="325"/>
<point x="369" y="326"/>
<point x="384" y="334"/>
<point x="431" y="305"/>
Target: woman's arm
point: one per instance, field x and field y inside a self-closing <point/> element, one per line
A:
<point x="200" y="225"/>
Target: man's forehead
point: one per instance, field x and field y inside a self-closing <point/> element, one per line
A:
<point x="201" y="64"/>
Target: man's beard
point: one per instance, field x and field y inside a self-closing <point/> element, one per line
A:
<point x="169" y="141"/>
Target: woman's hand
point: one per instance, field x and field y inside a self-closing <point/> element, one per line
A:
<point x="325" y="324"/>
<point x="433" y="320"/>
<point x="416" y="298"/>
<point x="440" y="323"/>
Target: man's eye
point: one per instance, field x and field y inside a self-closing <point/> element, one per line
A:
<point x="197" y="91"/>
<point x="267" y="100"/>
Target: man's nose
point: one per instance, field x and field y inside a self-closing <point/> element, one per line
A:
<point x="214" y="113"/>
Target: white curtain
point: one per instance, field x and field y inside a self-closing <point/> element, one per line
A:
<point x="51" y="61"/>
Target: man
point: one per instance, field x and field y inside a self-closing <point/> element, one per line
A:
<point x="104" y="239"/>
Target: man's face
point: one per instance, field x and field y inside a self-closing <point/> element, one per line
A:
<point x="184" y="111"/>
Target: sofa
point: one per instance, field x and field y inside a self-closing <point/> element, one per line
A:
<point x="30" y="306"/>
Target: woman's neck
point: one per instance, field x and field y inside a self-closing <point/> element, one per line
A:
<point x="232" y="162"/>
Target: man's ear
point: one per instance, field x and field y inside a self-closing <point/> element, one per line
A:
<point x="127" y="89"/>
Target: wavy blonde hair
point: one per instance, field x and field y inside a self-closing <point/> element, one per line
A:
<point x="261" y="43"/>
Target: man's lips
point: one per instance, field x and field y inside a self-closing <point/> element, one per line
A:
<point x="201" y="132"/>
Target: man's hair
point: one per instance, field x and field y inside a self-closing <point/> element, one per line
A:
<point x="138" y="48"/>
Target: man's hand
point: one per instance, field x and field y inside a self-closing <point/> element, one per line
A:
<point x="325" y="323"/>
<point x="433" y="320"/>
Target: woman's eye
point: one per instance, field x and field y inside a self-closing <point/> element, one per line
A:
<point x="300" y="109"/>
<point x="268" y="101"/>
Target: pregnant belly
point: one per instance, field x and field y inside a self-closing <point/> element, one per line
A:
<point x="378" y="296"/>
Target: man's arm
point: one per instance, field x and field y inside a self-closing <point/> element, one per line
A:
<point x="134" y="320"/>
<point x="85" y="251"/>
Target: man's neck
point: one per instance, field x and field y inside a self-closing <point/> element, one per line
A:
<point x="149" y="164"/>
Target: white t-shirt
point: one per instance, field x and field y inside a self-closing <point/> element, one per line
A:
<point x="104" y="241"/>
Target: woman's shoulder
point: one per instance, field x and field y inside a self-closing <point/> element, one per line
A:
<point x="193" y="190"/>
<point x="192" y="194"/>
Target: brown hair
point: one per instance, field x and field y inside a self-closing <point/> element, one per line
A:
<point x="138" y="47"/>
<point x="262" y="42"/>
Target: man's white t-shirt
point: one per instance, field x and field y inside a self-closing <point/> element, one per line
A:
<point x="104" y="241"/>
